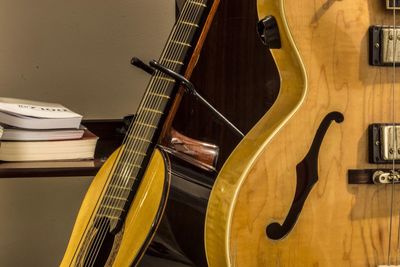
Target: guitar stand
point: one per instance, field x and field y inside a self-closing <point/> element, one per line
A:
<point x="189" y="87"/>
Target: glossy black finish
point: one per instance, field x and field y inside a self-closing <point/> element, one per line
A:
<point x="141" y="65"/>
<point x="363" y="176"/>
<point x="269" y="32"/>
<point x="180" y="236"/>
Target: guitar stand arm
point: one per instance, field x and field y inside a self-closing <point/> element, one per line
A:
<point x="189" y="87"/>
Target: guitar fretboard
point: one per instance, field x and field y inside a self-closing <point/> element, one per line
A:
<point x="142" y="133"/>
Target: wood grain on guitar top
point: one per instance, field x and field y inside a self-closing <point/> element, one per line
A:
<point x="136" y="234"/>
<point x="323" y="69"/>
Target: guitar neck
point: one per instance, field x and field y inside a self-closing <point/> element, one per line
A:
<point x="144" y="131"/>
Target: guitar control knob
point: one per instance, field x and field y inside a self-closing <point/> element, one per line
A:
<point x="268" y="31"/>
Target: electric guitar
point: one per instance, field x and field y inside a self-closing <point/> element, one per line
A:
<point x="314" y="182"/>
<point x="123" y="206"/>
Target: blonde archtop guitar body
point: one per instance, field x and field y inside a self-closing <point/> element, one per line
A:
<point x="277" y="201"/>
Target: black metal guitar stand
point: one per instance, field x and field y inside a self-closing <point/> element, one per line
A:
<point x="189" y="87"/>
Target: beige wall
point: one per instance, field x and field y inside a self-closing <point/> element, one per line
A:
<point x="37" y="216"/>
<point x="77" y="52"/>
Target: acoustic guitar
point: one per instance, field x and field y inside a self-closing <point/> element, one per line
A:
<point x="123" y="206"/>
<point x="314" y="182"/>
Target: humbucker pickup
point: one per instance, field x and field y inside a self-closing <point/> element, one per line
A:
<point x="384" y="45"/>
<point x="392" y="4"/>
<point x="384" y="143"/>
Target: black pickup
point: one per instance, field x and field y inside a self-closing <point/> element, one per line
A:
<point x="381" y="45"/>
<point x="390" y="4"/>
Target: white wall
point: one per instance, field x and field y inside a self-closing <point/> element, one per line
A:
<point x="77" y="52"/>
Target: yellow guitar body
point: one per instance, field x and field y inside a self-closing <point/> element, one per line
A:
<point x="323" y="66"/>
<point x="141" y="218"/>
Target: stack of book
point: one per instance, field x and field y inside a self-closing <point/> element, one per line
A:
<point x="33" y="131"/>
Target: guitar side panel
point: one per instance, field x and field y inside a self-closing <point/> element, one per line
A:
<point x="223" y="198"/>
<point x="340" y="224"/>
<point x="145" y="212"/>
<point x="142" y="218"/>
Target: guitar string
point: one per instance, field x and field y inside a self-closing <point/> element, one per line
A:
<point x="395" y="139"/>
<point x="394" y="144"/>
<point x="149" y="130"/>
<point x="152" y="115"/>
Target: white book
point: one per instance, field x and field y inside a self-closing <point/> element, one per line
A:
<point x="18" y="134"/>
<point x="37" y="115"/>
<point x="82" y="148"/>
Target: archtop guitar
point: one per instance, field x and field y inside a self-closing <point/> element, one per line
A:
<point x="126" y="199"/>
<point x="314" y="183"/>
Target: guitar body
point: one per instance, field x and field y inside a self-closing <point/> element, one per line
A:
<point x="142" y="218"/>
<point x="125" y="202"/>
<point x="323" y="65"/>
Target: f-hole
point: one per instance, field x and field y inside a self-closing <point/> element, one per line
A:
<point x="307" y="176"/>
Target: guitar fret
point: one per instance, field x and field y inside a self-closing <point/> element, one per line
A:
<point x="173" y="61"/>
<point x="188" y="23"/>
<point x="132" y="165"/>
<point x="180" y="43"/>
<point x="153" y="110"/>
<point x="164" y="79"/>
<point x="120" y="187"/>
<point x="197" y="3"/>
<point x="146" y="124"/>
<point x="127" y="177"/>
<point x="141" y="139"/>
<point x="117" y="198"/>
<point x="132" y="178"/>
<point x="112" y="208"/>
<point x="159" y="95"/>
<point x="136" y="152"/>
<point x="108" y="216"/>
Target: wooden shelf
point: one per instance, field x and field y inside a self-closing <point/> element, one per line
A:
<point x="50" y="168"/>
<point x="109" y="139"/>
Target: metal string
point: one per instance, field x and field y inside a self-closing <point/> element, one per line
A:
<point x="124" y="172"/>
<point x="147" y="131"/>
<point x="146" y="115"/>
<point x="394" y="137"/>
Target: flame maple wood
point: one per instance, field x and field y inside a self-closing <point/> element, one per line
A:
<point x="323" y="65"/>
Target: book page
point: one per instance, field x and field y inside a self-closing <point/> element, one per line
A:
<point x="36" y="109"/>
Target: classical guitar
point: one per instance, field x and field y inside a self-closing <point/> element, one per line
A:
<point x="126" y="199"/>
<point x="314" y="182"/>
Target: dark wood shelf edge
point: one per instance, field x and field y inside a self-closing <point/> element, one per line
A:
<point x="27" y="172"/>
